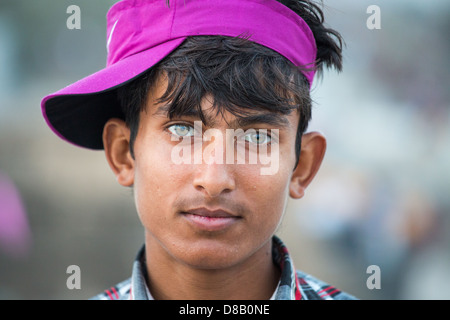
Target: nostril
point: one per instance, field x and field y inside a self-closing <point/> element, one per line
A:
<point x="214" y="179"/>
<point x="213" y="191"/>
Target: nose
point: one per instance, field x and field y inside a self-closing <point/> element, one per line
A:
<point x="213" y="175"/>
<point x="214" y="179"/>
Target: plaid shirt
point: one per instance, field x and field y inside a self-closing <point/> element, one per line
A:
<point x="293" y="285"/>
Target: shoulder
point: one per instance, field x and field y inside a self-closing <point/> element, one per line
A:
<point x="312" y="288"/>
<point x="120" y="291"/>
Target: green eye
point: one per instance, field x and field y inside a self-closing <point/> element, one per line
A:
<point x="258" y="138"/>
<point x="181" y="130"/>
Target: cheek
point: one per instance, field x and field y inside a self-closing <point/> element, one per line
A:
<point x="267" y="195"/>
<point x="156" y="180"/>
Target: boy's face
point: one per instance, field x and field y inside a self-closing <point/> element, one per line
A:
<point x="207" y="215"/>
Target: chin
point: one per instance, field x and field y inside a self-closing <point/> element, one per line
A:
<point x="212" y="256"/>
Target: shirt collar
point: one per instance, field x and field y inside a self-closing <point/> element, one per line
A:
<point x="288" y="287"/>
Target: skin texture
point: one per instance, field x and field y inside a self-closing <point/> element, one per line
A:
<point x="185" y="261"/>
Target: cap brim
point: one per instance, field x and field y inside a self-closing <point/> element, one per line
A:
<point x="78" y="112"/>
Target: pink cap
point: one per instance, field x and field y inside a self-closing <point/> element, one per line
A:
<point x="140" y="33"/>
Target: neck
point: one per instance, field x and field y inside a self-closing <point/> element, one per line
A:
<point x="255" y="278"/>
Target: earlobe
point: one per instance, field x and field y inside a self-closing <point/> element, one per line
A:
<point x="312" y="153"/>
<point x="116" y="142"/>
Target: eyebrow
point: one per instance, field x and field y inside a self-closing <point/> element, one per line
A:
<point x="272" y="119"/>
<point x="268" y="118"/>
<point x="162" y="110"/>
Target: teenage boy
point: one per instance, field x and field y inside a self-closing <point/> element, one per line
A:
<point x="192" y="92"/>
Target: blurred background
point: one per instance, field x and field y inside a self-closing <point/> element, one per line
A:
<point x="381" y="197"/>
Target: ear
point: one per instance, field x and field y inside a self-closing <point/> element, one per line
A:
<point x="313" y="150"/>
<point x="116" y="142"/>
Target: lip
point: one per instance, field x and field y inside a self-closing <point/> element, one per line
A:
<point x="210" y="220"/>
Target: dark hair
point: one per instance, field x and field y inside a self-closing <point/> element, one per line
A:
<point x="239" y="74"/>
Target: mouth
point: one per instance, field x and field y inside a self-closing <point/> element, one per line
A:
<point x="210" y="220"/>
